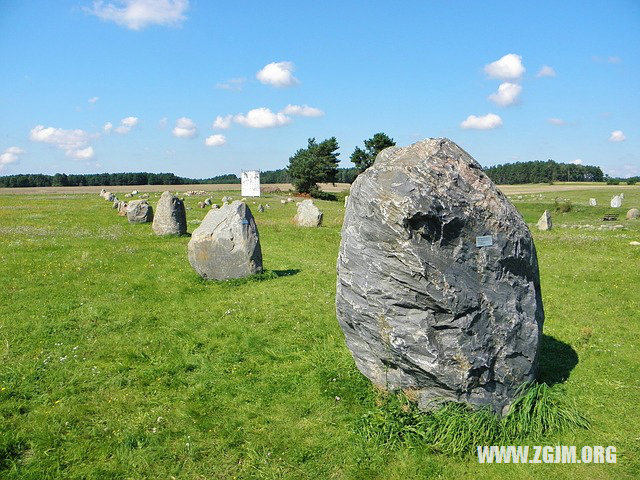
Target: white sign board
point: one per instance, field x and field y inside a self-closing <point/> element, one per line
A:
<point x="250" y="183"/>
<point x="484" y="241"/>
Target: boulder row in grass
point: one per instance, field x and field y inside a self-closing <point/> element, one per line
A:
<point x="308" y="215"/>
<point x="438" y="290"/>
<point x="226" y="244"/>
<point x="633" y="213"/>
<point x="170" y="217"/>
<point x="545" y="221"/>
<point x="139" y="211"/>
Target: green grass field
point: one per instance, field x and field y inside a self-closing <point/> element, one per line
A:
<point x="118" y="362"/>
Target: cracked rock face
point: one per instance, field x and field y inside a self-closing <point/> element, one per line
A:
<point x="226" y="244"/>
<point x="426" y="305"/>
<point x="170" y="217"/>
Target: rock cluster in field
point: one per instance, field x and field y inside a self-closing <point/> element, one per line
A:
<point x="226" y="244"/>
<point x="308" y="214"/>
<point x="139" y="211"/>
<point x="438" y="290"/>
<point x="545" y="221"/>
<point x="170" y="217"/>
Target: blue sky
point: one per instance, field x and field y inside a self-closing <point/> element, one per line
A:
<point x="137" y="85"/>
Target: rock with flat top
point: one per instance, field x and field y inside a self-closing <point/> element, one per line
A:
<point x="139" y="211"/>
<point x="226" y="244"/>
<point x="438" y="290"/>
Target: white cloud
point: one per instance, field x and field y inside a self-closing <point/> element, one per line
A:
<point x="486" y="122"/>
<point x="278" y="74"/>
<point x="577" y="161"/>
<point x="108" y="127"/>
<point x="215" y="140"/>
<point x="614" y="60"/>
<point x="222" y="122"/>
<point x="10" y="155"/>
<point x="546" y="71"/>
<point x="138" y="14"/>
<point x="304" y="110"/>
<point x="556" y="121"/>
<point x="126" y="124"/>
<point x="232" y="84"/>
<point x="93" y="99"/>
<point x="185" y="128"/>
<point x="73" y="142"/>
<point x="617" y="136"/>
<point x="262" y="118"/>
<point x="506" y="95"/>
<point x="83" y="154"/>
<point x="508" y="67"/>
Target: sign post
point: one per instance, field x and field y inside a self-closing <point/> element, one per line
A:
<point x="250" y="183"/>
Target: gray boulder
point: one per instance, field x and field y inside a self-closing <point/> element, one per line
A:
<point x="102" y="192"/>
<point x="308" y="215"/>
<point x="170" y="217"/>
<point x="208" y="201"/>
<point x="545" y="221"/>
<point x="116" y="203"/>
<point x="261" y="208"/>
<point x="122" y="209"/>
<point x="616" y="201"/>
<point x="633" y="213"/>
<point x="226" y="244"/>
<point x="109" y="197"/>
<point x="139" y="211"/>
<point x="438" y="290"/>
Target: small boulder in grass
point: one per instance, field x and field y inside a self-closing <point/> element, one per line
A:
<point x="545" y="221"/>
<point x="139" y="211"/>
<point x="633" y="213"/>
<point x="308" y="214"/>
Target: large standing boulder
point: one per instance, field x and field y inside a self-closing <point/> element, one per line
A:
<point x="226" y="244"/>
<point x="139" y="211"/>
<point x="545" y="221"/>
<point x="170" y="217"/>
<point x="308" y="214"/>
<point x="438" y="289"/>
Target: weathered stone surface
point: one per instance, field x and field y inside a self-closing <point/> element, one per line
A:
<point x="116" y="202"/>
<point x="261" y="208"/>
<point x="122" y="209"/>
<point x="593" y="202"/>
<point x="226" y="244"/>
<point x="308" y="215"/>
<point x="102" y="192"/>
<point x="226" y="199"/>
<point x="616" y="201"/>
<point x="170" y="217"/>
<point x="422" y="306"/>
<point x="545" y="221"/>
<point x="109" y="197"/>
<point x="346" y="200"/>
<point x="208" y="201"/>
<point x="134" y="192"/>
<point x="633" y="214"/>
<point x="139" y="211"/>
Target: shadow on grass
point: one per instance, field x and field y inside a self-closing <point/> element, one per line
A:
<point x="557" y="359"/>
<point x="258" y="277"/>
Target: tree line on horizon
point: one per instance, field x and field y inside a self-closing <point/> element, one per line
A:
<point x="317" y="163"/>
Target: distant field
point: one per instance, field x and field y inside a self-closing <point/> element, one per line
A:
<point x="231" y="187"/>
<point x="327" y="187"/>
<point x="118" y="362"/>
